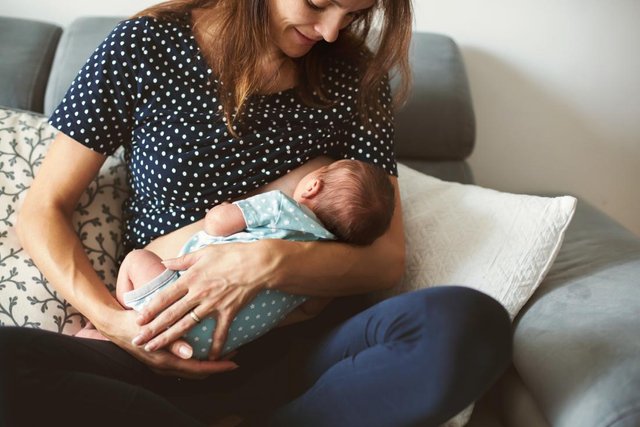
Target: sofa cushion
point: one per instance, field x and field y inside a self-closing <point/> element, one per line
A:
<point x="26" y="298"/>
<point x="27" y="52"/>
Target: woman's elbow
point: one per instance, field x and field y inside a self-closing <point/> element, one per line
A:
<point x="25" y="222"/>
<point x="396" y="267"/>
<point x="30" y="217"/>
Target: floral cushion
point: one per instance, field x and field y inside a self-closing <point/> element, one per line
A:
<point x="26" y="298"/>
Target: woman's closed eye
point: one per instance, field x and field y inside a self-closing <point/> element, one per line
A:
<point x="313" y="6"/>
<point x="318" y="8"/>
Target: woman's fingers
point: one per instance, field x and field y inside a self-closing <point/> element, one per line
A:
<point x="220" y="335"/>
<point x="163" y="361"/>
<point x="162" y="305"/>
<point x="166" y="363"/>
<point x="181" y="349"/>
<point x="171" y="334"/>
<point x="182" y="262"/>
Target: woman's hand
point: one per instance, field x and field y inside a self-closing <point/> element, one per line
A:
<point x="162" y="361"/>
<point x="217" y="281"/>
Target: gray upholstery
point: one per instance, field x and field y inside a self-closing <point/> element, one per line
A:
<point x="76" y="45"/>
<point x="577" y="342"/>
<point x="458" y="171"/>
<point x="25" y="66"/>
<point x="438" y="122"/>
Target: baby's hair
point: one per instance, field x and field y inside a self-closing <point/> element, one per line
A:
<point x="357" y="201"/>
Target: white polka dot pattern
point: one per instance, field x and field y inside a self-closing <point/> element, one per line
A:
<point x="147" y="87"/>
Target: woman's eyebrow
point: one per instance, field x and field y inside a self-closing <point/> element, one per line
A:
<point x="340" y="5"/>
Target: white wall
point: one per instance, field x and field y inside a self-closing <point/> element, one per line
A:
<point x="556" y="87"/>
<point x="62" y="12"/>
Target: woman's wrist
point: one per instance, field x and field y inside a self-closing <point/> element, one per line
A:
<point x="280" y="254"/>
<point x="107" y="318"/>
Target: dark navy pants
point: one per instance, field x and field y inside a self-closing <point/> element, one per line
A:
<point x="413" y="360"/>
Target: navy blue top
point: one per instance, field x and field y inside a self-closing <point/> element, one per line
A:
<point x="148" y="88"/>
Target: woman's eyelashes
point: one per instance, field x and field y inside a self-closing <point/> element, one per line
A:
<point x="313" y="6"/>
<point x="352" y="16"/>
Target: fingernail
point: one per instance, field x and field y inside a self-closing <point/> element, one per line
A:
<point x="137" y="340"/>
<point x="149" y="348"/>
<point x="235" y="367"/>
<point x="185" y="351"/>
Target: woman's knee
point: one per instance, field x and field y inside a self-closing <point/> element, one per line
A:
<point x="468" y="318"/>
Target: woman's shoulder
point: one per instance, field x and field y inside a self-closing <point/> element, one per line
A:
<point x="142" y="27"/>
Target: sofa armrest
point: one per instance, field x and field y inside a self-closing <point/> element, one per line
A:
<point x="577" y="342"/>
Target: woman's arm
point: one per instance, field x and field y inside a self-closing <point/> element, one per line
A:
<point x="46" y="232"/>
<point x="220" y="279"/>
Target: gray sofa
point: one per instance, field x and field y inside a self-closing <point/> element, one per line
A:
<point x="577" y="341"/>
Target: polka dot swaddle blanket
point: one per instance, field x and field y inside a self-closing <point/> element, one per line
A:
<point x="259" y="316"/>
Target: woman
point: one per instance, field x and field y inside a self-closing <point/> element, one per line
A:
<point x="214" y="99"/>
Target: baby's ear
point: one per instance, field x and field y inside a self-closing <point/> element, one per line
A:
<point x="312" y="188"/>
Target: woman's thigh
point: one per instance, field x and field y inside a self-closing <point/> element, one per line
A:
<point x="47" y="378"/>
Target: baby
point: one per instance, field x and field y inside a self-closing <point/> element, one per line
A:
<point x="349" y="200"/>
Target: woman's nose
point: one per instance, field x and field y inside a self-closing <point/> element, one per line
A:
<point x="330" y="25"/>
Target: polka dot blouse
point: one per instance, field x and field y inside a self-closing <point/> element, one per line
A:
<point x="148" y="88"/>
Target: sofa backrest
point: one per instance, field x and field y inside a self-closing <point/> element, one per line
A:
<point x="26" y="52"/>
<point x="437" y="122"/>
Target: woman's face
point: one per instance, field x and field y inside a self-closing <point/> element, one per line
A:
<point x="296" y="25"/>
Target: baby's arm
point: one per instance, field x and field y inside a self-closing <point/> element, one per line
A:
<point x="223" y="220"/>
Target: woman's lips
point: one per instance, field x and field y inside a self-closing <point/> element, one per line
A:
<point x="304" y="39"/>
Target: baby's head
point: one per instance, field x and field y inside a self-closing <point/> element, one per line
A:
<point x="354" y="200"/>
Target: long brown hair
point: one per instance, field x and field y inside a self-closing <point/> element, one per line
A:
<point x="241" y="28"/>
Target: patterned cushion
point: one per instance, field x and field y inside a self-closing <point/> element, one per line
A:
<point x="26" y="298"/>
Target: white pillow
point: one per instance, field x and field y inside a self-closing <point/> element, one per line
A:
<point x="499" y="243"/>
<point x="26" y="298"/>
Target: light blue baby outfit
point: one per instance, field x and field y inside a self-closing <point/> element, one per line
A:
<point x="271" y="215"/>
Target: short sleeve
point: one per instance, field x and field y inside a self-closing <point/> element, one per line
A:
<point x="297" y="218"/>
<point x="261" y="210"/>
<point x="372" y="142"/>
<point x="97" y="109"/>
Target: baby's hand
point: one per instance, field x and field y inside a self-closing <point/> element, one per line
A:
<point x="224" y="219"/>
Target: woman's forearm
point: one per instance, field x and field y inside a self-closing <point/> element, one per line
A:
<point x="330" y="269"/>
<point x="52" y="243"/>
<point x="45" y="230"/>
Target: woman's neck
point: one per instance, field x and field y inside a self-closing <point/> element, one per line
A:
<point x="278" y="72"/>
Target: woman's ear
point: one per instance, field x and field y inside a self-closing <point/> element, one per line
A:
<point x="312" y="188"/>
